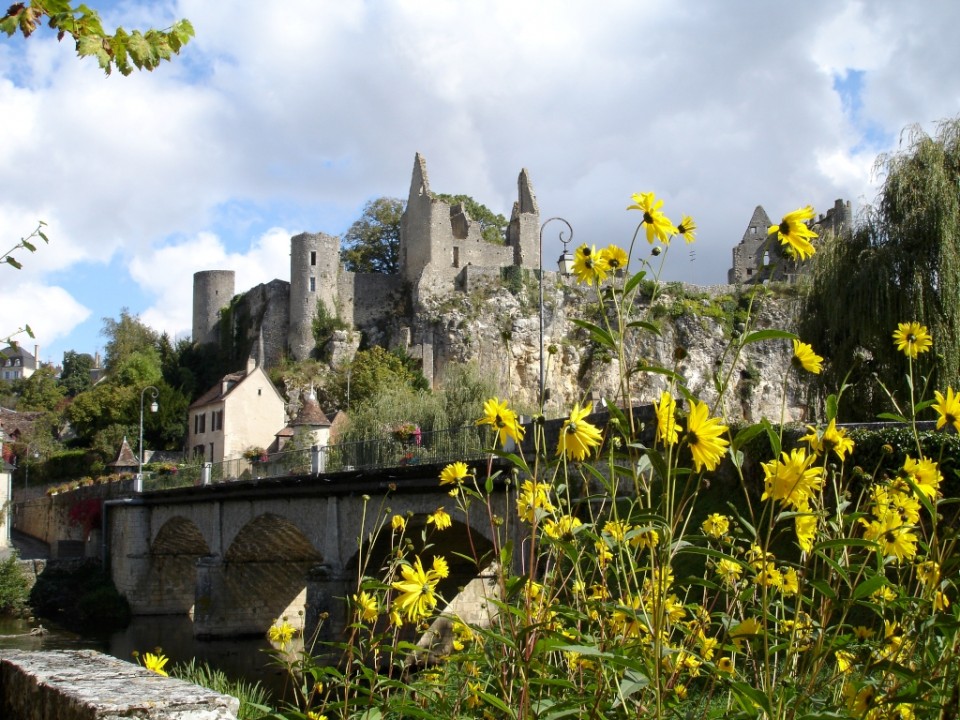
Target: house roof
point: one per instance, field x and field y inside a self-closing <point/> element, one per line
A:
<point x="126" y="456"/>
<point x="311" y="414"/>
<point x="10" y="352"/>
<point x="220" y="390"/>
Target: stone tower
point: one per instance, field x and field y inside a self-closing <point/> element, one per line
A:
<point x="212" y="291"/>
<point x="523" y="233"/>
<point x="314" y="264"/>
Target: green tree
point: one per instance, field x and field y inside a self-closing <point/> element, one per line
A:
<point x="493" y="227"/>
<point x="121" y="49"/>
<point x="40" y="391"/>
<point x="902" y="263"/>
<point x="372" y="244"/>
<point x="126" y="336"/>
<point x="75" y="376"/>
<point x="370" y="373"/>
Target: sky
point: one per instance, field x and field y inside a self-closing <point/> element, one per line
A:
<point x="282" y="118"/>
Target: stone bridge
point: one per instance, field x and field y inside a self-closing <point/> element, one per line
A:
<point x="239" y="556"/>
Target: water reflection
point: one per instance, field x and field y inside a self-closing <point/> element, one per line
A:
<point x="243" y="658"/>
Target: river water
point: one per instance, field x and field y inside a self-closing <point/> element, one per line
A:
<point x="244" y="658"/>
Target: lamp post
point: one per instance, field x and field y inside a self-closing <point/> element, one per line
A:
<point x="153" y="408"/>
<point x="565" y="264"/>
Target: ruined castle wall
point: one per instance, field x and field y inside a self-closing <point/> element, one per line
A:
<point x="314" y="267"/>
<point x="212" y="291"/>
<point x="368" y="298"/>
<point x="266" y="310"/>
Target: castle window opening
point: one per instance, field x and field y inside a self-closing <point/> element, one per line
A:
<point x="765" y="260"/>
<point x="753" y="231"/>
<point x="313" y="284"/>
<point x="313" y="257"/>
<point x="456" y="256"/>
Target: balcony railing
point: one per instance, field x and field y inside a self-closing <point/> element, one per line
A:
<point x="427" y="448"/>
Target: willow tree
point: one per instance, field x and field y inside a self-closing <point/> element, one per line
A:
<point x="901" y="263"/>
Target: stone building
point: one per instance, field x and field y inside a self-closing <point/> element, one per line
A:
<point x="759" y="257"/>
<point x="441" y="251"/>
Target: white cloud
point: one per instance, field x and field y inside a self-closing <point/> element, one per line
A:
<point x="50" y="311"/>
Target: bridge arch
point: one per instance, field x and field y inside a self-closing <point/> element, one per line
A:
<point x="171" y="579"/>
<point x="261" y="578"/>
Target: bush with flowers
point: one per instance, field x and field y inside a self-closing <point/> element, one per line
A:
<point x="829" y="593"/>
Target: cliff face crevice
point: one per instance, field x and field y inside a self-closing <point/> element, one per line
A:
<point x="500" y="331"/>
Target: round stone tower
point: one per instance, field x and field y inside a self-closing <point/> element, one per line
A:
<point x="314" y="265"/>
<point x="212" y="291"/>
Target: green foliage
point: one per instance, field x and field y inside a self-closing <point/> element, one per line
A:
<point x="902" y="264"/>
<point x="249" y="694"/>
<point x="464" y="388"/>
<point x="325" y="324"/>
<point x="372" y="244"/>
<point x="121" y="50"/>
<point x="14" y="587"/>
<point x="24" y="244"/>
<point x="493" y="226"/>
<point x="370" y="373"/>
<point x="126" y="336"/>
<point x="75" y="376"/>
<point x="79" y="595"/>
<point x="40" y="391"/>
<point x="393" y="406"/>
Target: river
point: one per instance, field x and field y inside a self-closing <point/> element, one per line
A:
<point x="244" y="658"/>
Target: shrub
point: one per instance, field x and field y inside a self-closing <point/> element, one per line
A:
<point x="14" y="587"/>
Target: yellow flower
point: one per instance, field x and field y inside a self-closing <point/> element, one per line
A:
<point x="311" y="715"/>
<point x="912" y="338"/>
<point x="791" y="582"/>
<point x="769" y="576"/>
<point x="806" y="529"/>
<point x="924" y="474"/>
<point x="725" y="665"/>
<point x="281" y="634"/>
<point x="845" y="660"/>
<point x="666" y="411"/>
<point x="716" y="525"/>
<point x="892" y="536"/>
<point x="577" y="436"/>
<point x="155" y="663"/>
<point x="367" y="606"/>
<point x="729" y="570"/>
<point x="454" y="473"/>
<point x="658" y="225"/>
<point x="833" y="438"/>
<point x="744" y="631"/>
<point x="804" y="357"/>
<point x="703" y="437"/>
<point x="617" y="529"/>
<point x="440" y="519"/>
<point x="615" y="257"/>
<point x="948" y="409"/>
<point x="440" y="567"/>
<point x="686" y="229"/>
<point x="502" y="419"/>
<point x="417" y="597"/>
<point x="792" y="479"/>
<point x="794" y="233"/>
<point x="533" y="496"/>
<point x="398" y="523"/>
<point x="561" y="527"/>
<point x="648" y="538"/>
<point x="589" y="266"/>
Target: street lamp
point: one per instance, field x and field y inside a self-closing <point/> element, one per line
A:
<point x="565" y="264"/>
<point x="153" y="408"/>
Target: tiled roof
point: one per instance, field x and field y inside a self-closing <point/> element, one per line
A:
<point x="311" y="414"/>
<point x="126" y="457"/>
<point x="216" y="392"/>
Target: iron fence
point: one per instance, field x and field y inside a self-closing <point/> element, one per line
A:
<point x="424" y="448"/>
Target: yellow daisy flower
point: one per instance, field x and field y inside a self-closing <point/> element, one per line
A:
<point x="948" y="409"/>
<point x="440" y="519"/>
<point x="589" y="266"/>
<point x="502" y="419"/>
<point x="912" y="338"/>
<point x="615" y="257"/>
<point x="703" y="437"/>
<point x="794" y="233"/>
<point x="281" y="634"/>
<point x="398" y="523"/>
<point x="666" y="411"/>
<point x="533" y="496"/>
<point x="417" y="591"/>
<point x="577" y="436"/>
<point x="804" y="357"/>
<point x="155" y="662"/>
<point x="367" y="606"/>
<point x="793" y="479"/>
<point x="892" y="536"/>
<point x="454" y="473"/>
<point x="686" y="229"/>
<point x="658" y="225"/>
<point x="716" y="525"/>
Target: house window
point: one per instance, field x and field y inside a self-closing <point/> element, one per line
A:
<point x="313" y="257"/>
<point x="313" y="284"/>
<point x="199" y="424"/>
<point x="216" y="420"/>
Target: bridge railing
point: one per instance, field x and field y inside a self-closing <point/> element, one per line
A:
<point x="426" y="448"/>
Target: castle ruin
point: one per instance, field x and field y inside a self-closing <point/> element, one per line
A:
<point x="441" y="250"/>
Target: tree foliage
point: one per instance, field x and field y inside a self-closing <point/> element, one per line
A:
<point x="40" y="391"/>
<point x="493" y="226"/>
<point x="122" y="50"/>
<point x="75" y="376"/>
<point x="372" y="244"/>
<point x="901" y="264"/>
<point x="126" y="336"/>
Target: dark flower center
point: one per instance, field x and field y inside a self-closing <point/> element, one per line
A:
<point x="784" y="228"/>
<point x="647" y="218"/>
<point x="571" y="427"/>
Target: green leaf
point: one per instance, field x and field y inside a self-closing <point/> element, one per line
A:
<point x="772" y="436"/>
<point x="833" y="403"/>
<point x="27" y="329"/>
<point x="42" y="235"/>
<point x="746" y="435"/>
<point x="12" y="261"/>
<point x="869" y="587"/>
<point x="650" y="327"/>
<point x="768" y="334"/>
<point x="28" y="245"/>
<point x="488" y="485"/>
<point x="751" y="698"/>
<point x="892" y="417"/>
<point x="599" y="334"/>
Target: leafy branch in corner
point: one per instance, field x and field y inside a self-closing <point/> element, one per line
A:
<point x="123" y="50"/>
<point x="25" y="244"/>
